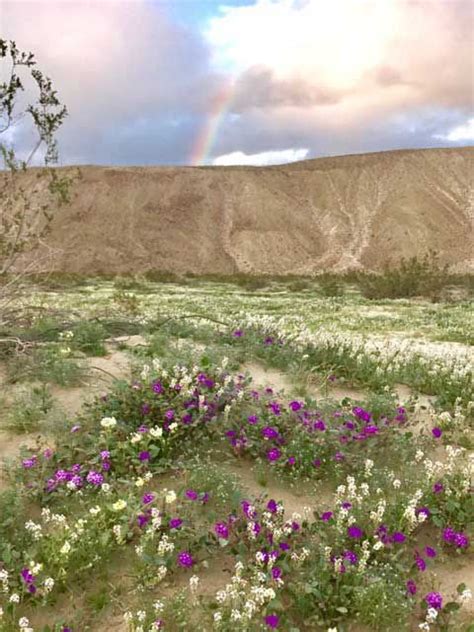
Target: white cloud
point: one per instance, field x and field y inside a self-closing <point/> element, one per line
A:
<point x="261" y="159"/>
<point x="460" y="133"/>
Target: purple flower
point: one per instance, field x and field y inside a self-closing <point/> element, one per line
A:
<point x="436" y="432"/>
<point x="238" y="333"/>
<point x="449" y="535"/>
<point x="48" y="453"/>
<point x="169" y="415"/>
<point x="269" y="432"/>
<point x="361" y="414"/>
<point x="104" y="455"/>
<point x="316" y="463"/>
<point x="221" y="530"/>
<point x="423" y="510"/>
<point x="148" y="498"/>
<point x="275" y="408"/>
<point x="274" y="454"/>
<point x="146" y="408"/>
<point x="272" y="620"/>
<point x="191" y="494"/>
<point x="75" y="428"/>
<point x="339" y="456"/>
<point x="95" y="478"/>
<point x="144" y="456"/>
<point x="430" y="552"/>
<point x="157" y="388"/>
<point x="295" y="405"/>
<point x="326" y="516"/>
<point x="276" y="572"/>
<point x="351" y="556"/>
<point x="461" y="541"/>
<point x="252" y="419"/>
<point x="398" y="537"/>
<point x="27" y="576"/>
<point x="411" y="587"/>
<point x="29" y="463"/>
<point x="291" y="460"/>
<point x="420" y="562"/>
<point x="346" y="505"/>
<point x="268" y="340"/>
<point x="272" y="506"/>
<point x="175" y="523"/>
<point x="434" y="600"/>
<point x="355" y="532"/>
<point x="142" y="519"/>
<point x="185" y="559"/>
<point x="438" y="487"/>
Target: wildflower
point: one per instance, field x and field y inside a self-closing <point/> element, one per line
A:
<point x="295" y="406"/>
<point x="119" y="505"/>
<point x="170" y="497"/>
<point x="326" y="516"/>
<point x="430" y="552"/>
<point x="221" y="530"/>
<point x="436" y="432"/>
<point x="461" y="541"/>
<point x="448" y="535"/>
<point x="398" y="537"/>
<point x="272" y="506"/>
<point x="274" y="454"/>
<point x="355" y="532"/>
<point x="269" y="432"/>
<point x="276" y="572"/>
<point x="238" y="333"/>
<point x="144" y="455"/>
<point x="291" y="460"/>
<point x="434" y="600"/>
<point x="438" y="488"/>
<point x="108" y="422"/>
<point x="252" y="419"/>
<point x="157" y="388"/>
<point x="29" y="463"/>
<point x="272" y="620"/>
<point x="420" y="563"/>
<point x="411" y="587"/>
<point x="185" y="559"/>
<point x="95" y="478"/>
<point x="191" y="494"/>
<point x="175" y="523"/>
<point x="148" y="498"/>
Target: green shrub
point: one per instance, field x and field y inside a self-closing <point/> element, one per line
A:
<point x="88" y="337"/>
<point x="413" y="277"/>
<point x="29" y="409"/>
<point x="330" y="285"/>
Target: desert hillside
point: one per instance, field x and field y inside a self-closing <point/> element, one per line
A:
<point x="358" y="211"/>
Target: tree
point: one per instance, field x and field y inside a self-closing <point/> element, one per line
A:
<point x="25" y="211"/>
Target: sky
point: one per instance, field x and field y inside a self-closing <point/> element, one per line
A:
<point x="255" y="82"/>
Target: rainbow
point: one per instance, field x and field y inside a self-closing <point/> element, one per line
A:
<point x="207" y="136"/>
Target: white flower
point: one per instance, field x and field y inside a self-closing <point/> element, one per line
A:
<point x="94" y="510"/>
<point x="66" y="547"/>
<point x="105" y="487"/>
<point x="156" y="432"/>
<point x="15" y="598"/>
<point x="119" y="505"/>
<point x="49" y="584"/>
<point x="139" y="482"/>
<point x="170" y="497"/>
<point x="108" y="422"/>
<point x="465" y="596"/>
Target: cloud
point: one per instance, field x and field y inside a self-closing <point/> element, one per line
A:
<point x="261" y="159"/>
<point x="342" y="75"/>
<point x="118" y="66"/>
<point x="460" y="133"/>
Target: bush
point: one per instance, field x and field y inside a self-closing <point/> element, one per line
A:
<point x="413" y="277"/>
<point x="330" y="285"/>
<point x="88" y="337"/>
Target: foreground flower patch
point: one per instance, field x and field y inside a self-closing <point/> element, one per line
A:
<point x="140" y="473"/>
